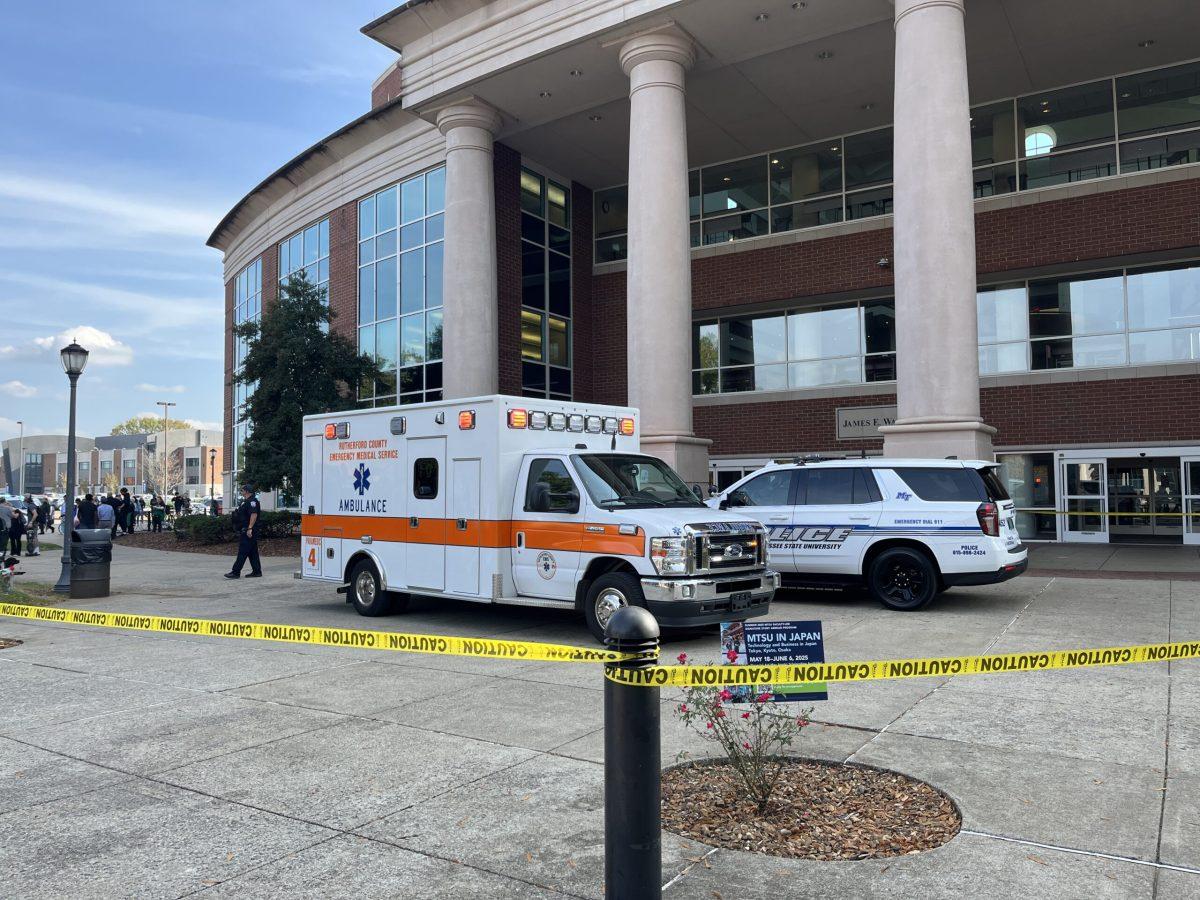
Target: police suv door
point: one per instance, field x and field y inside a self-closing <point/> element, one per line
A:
<point x="770" y="498"/>
<point x="548" y="529"/>
<point x="837" y="511"/>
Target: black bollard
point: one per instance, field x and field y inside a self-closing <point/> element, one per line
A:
<point x="632" y="766"/>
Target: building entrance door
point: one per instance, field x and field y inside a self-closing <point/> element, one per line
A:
<point x="1145" y="499"/>
<point x="1191" y="499"/>
<point x="1082" y="518"/>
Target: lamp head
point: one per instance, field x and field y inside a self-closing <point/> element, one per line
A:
<point x="74" y="359"/>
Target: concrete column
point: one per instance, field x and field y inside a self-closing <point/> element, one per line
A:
<point x="470" y="321"/>
<point x="659" y="269"/>
<point x="937" y="362"/>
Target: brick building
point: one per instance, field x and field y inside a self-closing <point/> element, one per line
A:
<point x="964" y="228"/>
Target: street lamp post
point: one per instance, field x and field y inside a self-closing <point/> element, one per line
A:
<point x="212" y="490"/>
<point x="166" y="458"/>
<point x="21" y="462"/>
<point x="74" y="360"/>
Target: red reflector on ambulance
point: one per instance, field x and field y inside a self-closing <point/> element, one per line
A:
<point x="335" y="431"/>
<point x="466" y="419"/>
<point x="518" y="418"/>
<point x="627" y="427"/>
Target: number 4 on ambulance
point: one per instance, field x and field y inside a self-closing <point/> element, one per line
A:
<point x="311" y="552"/>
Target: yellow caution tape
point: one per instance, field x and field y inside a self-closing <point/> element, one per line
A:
<point x="885" y="669"/>
<point x="444" y="645"/>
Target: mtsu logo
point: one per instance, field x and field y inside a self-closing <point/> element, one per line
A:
<point x="362" y="479"/>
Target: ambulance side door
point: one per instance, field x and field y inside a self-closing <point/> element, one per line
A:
<point x="548" y="528"/>
<point x="425" y="563"/>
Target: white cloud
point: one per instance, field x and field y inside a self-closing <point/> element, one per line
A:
<point x="104" y="349"/>
<point x="161" y="389"/>
<point x="117" y="210"/>
<point x="18" y="389"/>
<point x="10" y="429"/>
<point x="205" y="426"/>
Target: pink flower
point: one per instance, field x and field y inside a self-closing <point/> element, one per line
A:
<point x="802" y="722"/>
<point x="745" y="715"/>
<point x="731" y="655"/>
<point x="683" y="707"/>
<point x="762" y="698"/>
<point x="725" y="694"/>
<point x="682" y="657"/>
<point x="746" y="744"/>
<point x="710" y="725"/>
<point x="720" y="714"/>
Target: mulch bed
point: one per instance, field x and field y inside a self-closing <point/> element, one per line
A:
<point x="166" y="540"/>
<point x="820" y="811"/>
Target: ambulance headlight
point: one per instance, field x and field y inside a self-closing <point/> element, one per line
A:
<point x="671" y="555"/>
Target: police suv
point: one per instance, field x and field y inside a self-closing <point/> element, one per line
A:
<point x="906" y="528"/>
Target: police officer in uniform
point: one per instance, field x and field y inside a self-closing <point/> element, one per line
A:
<point x="245" y="518"/>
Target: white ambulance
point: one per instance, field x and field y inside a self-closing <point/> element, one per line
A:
<point x="519" y="501"/>
<point x="906" y="528"/>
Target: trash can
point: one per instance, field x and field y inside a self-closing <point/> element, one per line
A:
<point x="91" y="559"/>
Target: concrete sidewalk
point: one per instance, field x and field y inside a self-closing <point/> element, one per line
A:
<point x="158" y="766"/>
<point x="1130" y="561"/>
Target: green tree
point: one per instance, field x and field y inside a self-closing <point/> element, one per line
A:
<point x="295" y="366"/>
<point x="147" y="425"/>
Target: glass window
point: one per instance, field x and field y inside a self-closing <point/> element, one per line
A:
<point x="823" y="333"/>
<point x="1164" y="298"/>
<point x="1165" y="99"/>
<point x="531" y="335"/>
<point x="435" y="190"/>
<point x="704" y="347"/>
<point x="412" y="281"/>
<point x="806" y="172"/>
<point x="846" y="370"/>
<point x="768" y="489"/>
<point x="1160" y="152"/>
<point x="1078" y="353"/>
<point x="827" y="487"/>
<point x="550" y="488"/>
<point x="1066" y="118"/>
<point x="1084" y="305"/>
<point x="735" y="228"/>
<point x="1066" y="168"/>
<point x="1176" y="345"/>
<point x="559" y="283"/>
<point x="425" y="478"/>
<point x="807" y="215"/>
<point x="611" y="211"/>
<point x="997" y="359"/>
<point x="868" y="158"/>
<point x="993" y="133"/>
<point x="557" y="343"/>
<point x="949" y="484"/>
<point x="1003" y="314"/>
<point x="740" y="185"/>
<point x="758" y="340"/>
<point x="385" y="210"/>
<point x="879" y="325"/>
<point x="865" y="204"/>
<point x="412" y="199"/>
<point x="558" y="199"/>
<point x="532" y="193"/>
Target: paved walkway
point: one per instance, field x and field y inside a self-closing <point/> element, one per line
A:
<point x="1133" y="561"/>
<point x="154" y="766"/>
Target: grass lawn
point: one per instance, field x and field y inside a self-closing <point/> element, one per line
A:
<point x="32" y="593"/>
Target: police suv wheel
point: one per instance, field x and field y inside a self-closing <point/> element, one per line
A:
<point x="902" y="578"/>
<point x="606" y="595"/>
<point x="366" y="590"/>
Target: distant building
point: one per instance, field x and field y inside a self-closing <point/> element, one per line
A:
<point x="111" y="462"/>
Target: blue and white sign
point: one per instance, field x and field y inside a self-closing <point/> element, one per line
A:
<point x="775" y="643"/>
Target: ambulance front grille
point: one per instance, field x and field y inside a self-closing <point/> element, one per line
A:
<point x="729" y="552"/>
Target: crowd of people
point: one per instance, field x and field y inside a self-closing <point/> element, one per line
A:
<point x="23" y="521"/>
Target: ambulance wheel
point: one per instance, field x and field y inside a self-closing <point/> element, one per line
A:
<point x="902" y="578"/>
<point x="606" y="595"/>
<point x="366" y="591"/>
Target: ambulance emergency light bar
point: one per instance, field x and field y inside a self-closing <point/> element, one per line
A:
<point x="537" y="420"/>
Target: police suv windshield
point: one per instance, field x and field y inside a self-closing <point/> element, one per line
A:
<point x="625" y="481"/>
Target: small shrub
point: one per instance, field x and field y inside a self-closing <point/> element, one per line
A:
<point x="752" y="733"/>
<point x="221" y="530"/>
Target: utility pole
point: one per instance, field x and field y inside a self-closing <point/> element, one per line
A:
<point x="166" y="459"/>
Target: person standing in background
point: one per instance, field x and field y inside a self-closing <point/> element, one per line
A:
<point x="86" y="511"/>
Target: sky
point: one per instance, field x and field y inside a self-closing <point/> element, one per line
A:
<point x="127" y="130"/>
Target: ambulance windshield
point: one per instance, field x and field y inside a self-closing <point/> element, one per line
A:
<point x="624" y="480"/>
